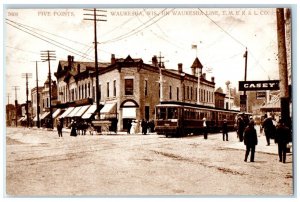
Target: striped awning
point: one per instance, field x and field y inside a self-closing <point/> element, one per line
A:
<point x="63" y="115"/>
<point x="89" y="112"/>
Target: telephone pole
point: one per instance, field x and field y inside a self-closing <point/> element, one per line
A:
<point x="243" y="98"/>
<point x="37" y="95"/>
<point x="48" y="56"/>
<point x="26" y="76"/>
<point x="95" y="19"/>
<point x="282" y="59"/>
<point x="16" y="103"/>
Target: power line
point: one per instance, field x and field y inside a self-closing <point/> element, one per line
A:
<point x="68" y="39"/>
<point x="222" y="29"/>
<point x="135" y="30"/>
<point x="53" y="41"/>
<point x="43" y="39"/>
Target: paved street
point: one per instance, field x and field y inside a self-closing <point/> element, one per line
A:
<point x="39" y="163"/>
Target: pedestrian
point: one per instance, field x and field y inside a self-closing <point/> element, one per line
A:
<point x="225" y="130"/>
<point x="241" y="127"/>
<point x="59" y="127"/>
<point x="250" y="140"/>
<point x="133" y="126"/>
<point x="269" y="128"/>
<point x="128" y="126"/>
<point x="205" y="128"/>
<point x="73" y="128"/>
<point x="282" y="136"/>
<point x="144" y="127"/>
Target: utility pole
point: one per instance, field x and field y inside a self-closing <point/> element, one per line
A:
<point x="16" y="103"/>
<point x="95" y="19"/>
<point x="160" y="77"/>
<point x="243" y="98"/>
<point x="282" y="58"/>
<point x="37" y="95"/>
<point x="26" y="76"/>
<point x="47" y="56"/>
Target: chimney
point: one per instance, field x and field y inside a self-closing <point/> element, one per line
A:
<point x="154" y="60"/>
<point x="113" y="59"/>
<point x="179" y="67"/>
<point x="78" y="68"/>
<point x="204" y="75"/>
<point x="70" y="61"/>
<point x="213" y="79"/>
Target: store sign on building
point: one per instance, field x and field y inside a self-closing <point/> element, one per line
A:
<point x="258" y="85"/>
<point x="261" y="95"/>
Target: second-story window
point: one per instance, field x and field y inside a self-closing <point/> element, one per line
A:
<point x="128" y="86"/>
<point x="146" y="87"/>
<point x="170" y="92"/>
<point x="115" y="88"/>
<point x="177" y="93"/>
<point x="107" y="89"/>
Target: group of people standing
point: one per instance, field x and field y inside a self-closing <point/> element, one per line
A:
<point x="279" y="132"/>
<point x="133" y="127"/>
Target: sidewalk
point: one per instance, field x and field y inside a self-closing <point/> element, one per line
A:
<point x="260" y="147"/>
<point x="234" y="143"/>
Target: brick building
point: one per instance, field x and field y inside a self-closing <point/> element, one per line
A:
<point x="128" y="88"/>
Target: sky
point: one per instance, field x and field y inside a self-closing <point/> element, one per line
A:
<point x="221" y="35"/>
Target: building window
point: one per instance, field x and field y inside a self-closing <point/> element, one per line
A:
<point x="196" y="94"/>
<point x="146" y="87"/>
<point x="159" y="90"/>
<point x="89" y="88"/>
<point x="191" y="93"/>
<point x="188" y="92"/>
<point x="128" y="86"/>
<point x="183" y="92"/>
<point x="177" y="94"/>
<point x="115" y="88"/>
<point x="85" y="91"/>
<point x="107" y="89"/>
<point x="170" y="92"/>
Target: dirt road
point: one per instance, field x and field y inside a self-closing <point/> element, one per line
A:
<point x="39" y="163"/>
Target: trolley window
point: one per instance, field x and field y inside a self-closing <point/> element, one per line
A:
<point x="161" y="113"/>
<point x="172" y="113"/>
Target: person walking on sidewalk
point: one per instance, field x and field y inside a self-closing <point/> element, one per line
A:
<point x="250" y="140"/>
<point x="268" y="128"/>
<point x="241" y="127"/>
<point x="205" y="128"/>
<point x="73" y="128"/>
<point x="225" y="130"/>
<point x="59" y="127"/>
<point x="282" y="139"/>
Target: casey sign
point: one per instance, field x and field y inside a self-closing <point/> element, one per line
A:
<point x="258" y="85"/>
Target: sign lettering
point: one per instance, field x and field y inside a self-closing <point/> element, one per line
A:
<point x="258" y="85"/>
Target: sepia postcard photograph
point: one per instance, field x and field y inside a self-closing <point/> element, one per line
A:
<point x="149" y="100"/>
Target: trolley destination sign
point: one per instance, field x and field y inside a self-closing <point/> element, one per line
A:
<point x="258" y="85"/>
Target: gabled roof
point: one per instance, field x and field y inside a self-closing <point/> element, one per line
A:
<point x="197" y="63"/>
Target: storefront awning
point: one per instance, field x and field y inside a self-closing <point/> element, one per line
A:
<point x="108" y="110"/>
<point x="21" y="119"/>
<point x="91" y="110"/>
<point x="45" y="115"/>
<point x="56" y="113"/>
<point x="82" y="110"/>
<point x="66" y="112"/>
<point x="35" y="118"/>
<point x="73" y="112"/>
<point x="129" y="113"/>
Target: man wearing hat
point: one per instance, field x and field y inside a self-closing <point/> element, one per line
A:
<point x="282" y="139"/>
